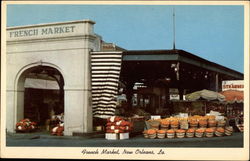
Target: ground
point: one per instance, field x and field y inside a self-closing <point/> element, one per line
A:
<point x="98" y="140"/>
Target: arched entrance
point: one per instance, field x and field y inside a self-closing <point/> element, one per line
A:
<point x="40" y="94"/>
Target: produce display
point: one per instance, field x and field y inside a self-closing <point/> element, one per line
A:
<point x="154" y="124"/>
<point x="189" y="127"/>
<point x="164" y="124"/>
<point x="171" y="133"/>
<point x="58" y="130"/>
<point x="199" y="132"/>
<point x="219" y="131"/>
<point x="152" y="133"/>
<point x="117" y="124"/>
<point x="202" y="123"/>
<point x="174" y="124"/>
<point x="209" y="132"/>
<point x="26" y="125"/>
<point x="161" y="134"/>
<point x="184" y="124"/>
<point x="180" y="133"/>
<point x="190" y="133"/>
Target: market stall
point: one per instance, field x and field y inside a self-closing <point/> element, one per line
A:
<point x="190" y="124"/>
<point x="235" y="108"/>
<point x="188" y="127"/>
<point x="206" y="96"/>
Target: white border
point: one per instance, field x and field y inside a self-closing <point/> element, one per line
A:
<point x="172" y="153"/>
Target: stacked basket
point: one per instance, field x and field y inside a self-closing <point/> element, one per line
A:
<point x="165" y="124"/>
<point x="190" y="133"/>
<point x="209" y="132"/>
<point x="202" y="123"/>
<point x="228" y="130"/>
<point x="199" y="132"/>
<point x="212" y="123"/>
<point x="193" y="123"/>
<point x="161" y="134"/>
<point x="170" y="133"/>
<point x="184" y="124"/>
<point x="180" y="133"/>
<point x="145" y="133"/>
<point x="174" y="124"/>
<point x="221" y="123"/>
<point x="154" y="124"/>
<point x="219" y="131"/>
<point x="151" y="133"/>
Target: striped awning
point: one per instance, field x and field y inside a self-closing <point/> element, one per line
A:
<point x="105" y="73"/>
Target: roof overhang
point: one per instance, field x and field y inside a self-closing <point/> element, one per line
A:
<point x="180" y="56"/>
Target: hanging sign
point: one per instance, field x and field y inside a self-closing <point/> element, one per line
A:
<point x="233" y="85"/>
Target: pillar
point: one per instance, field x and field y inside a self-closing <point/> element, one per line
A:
<point x="77" y="90"/>
<point x="217" y="82"/>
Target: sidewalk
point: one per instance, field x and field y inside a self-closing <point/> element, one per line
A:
<point x="47" y="135"/>
<point x="98" y="140"/>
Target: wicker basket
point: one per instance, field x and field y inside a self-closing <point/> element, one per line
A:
<point x="164" y="126"/>
<point x="161" y="136"/>
<point x="203" y="126"/>
<point x="214" y="128"/>
<point x="180" y="135"/>
<point x="221" y="123"/>
<point x="198" y="134"/>
<point x="212" y="123"/>
<point x="170" y="135"/>
<point x="152" y="136"/>
<point x="228" y="130"/>
<point x="194" y="125"/>
<point x="184" y="125"/>
<point x="209" y="134"/>
<point x="154" y="124"/>
<point x="145" y="135"/>
<point x="174" y="126"/>
<point x="217" y="133"/>
<point x="190" y="134"/>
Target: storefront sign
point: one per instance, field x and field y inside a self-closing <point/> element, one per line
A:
<point x="174" y="94"/>
<point x="41" y="31"/>
<point x="233" y="85"/>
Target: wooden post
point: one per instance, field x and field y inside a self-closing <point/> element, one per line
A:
<point x="217" y="82"/>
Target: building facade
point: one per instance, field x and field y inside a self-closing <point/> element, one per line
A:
<point x="59" y="51"/>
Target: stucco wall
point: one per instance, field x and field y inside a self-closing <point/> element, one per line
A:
<point x="66" y="52"/>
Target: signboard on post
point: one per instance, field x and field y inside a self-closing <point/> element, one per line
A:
<point x="174" y="94"/>
<point x="233" y="85"/>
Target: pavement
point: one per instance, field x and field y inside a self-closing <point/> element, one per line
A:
<point x="44" y="139"/>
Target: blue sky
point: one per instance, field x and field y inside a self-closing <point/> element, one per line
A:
<point x="215" y="33"/>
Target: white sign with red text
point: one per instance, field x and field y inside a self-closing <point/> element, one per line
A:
<point x="233" y="85"/>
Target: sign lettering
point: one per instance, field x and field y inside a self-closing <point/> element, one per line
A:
<point x="42" y="31"/>
<point x="233" y="85"/>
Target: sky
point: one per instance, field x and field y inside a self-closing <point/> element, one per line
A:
<point x="213" y="32"/>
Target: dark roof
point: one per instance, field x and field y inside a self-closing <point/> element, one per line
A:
<point x="178" y="55"/>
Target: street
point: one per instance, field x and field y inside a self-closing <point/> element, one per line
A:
<point x="46" y="140"/>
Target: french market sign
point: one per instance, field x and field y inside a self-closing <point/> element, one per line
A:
<point x="41" y="31"/>
<point x="233" y="85"/>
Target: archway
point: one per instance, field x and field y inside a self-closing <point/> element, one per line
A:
<point x="40" y="94"/>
